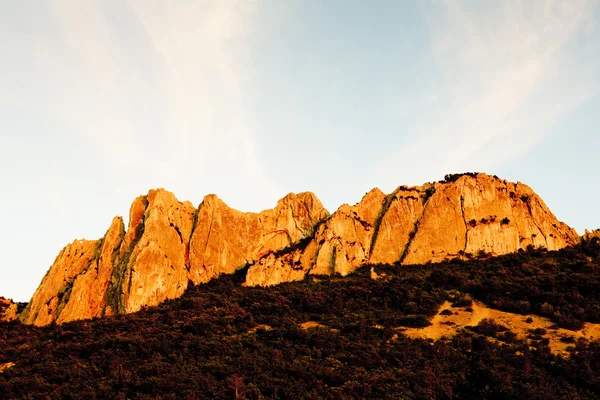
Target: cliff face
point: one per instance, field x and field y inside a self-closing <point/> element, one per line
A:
<point x="169" y="244"/>
<point x="465" y="215"/>
<point x="226" y="239"/>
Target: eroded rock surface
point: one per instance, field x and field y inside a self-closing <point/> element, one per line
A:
<point x="227" y="239"/>
<point x="484" y="213"/>
<point x="54" y="291"/>
<point x="8" y="310"/>
<point x="167" y="245"/>
<point x="462" y="216"/>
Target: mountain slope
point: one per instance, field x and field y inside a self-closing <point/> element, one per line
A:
<point x="330" y="337"/>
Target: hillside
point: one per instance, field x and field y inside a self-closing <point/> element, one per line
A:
<point x="331" y="337"/>
<point x="170" y="244"/>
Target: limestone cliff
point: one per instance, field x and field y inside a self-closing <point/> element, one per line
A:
<point x="167" y="245"/>
<point x="227" y="239"/>
<point x="460" y="216"/>
<point x="54" y="292"/>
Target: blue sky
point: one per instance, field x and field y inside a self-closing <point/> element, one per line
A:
<point x="102" y="100"/>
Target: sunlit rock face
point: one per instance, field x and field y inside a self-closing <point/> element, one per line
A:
<point x="53" y="294"/>
<point x="8" y="310"/>
<point x="461" y="216"/>
<point x="484" y="213"/>
<point x="226" y="239"/>
<point x="169" y="244"/>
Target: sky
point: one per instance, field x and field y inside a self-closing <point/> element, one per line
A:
<point x="101" y="100"/>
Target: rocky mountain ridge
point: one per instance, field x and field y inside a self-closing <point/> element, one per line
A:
<point x="461" y="216"/>
<point x="169" y="244"/>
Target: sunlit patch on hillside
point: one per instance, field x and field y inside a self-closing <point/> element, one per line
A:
<point x="449" y="321"/>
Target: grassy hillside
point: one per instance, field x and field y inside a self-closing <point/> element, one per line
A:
<point x="329" y="337"/>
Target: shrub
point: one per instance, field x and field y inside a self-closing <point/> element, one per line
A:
<point x="428" y="193"/>
<point x="488" y="327"/>
<point x="462" y="300"/>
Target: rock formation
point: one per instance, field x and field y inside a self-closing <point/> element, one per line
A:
<point x="461" y="216"/>
<point x="169" y="244"/>
<point x="226" y="239"/>
<point x="8" y="310"/>
<point x="589" y="235"/>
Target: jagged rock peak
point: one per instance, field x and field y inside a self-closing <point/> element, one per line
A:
<point x="167" y="245"/>
<point x="463" y="214"/>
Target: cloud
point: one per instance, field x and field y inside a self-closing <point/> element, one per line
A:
<point x="506" y="76"/>
<point x="105" y="100"/>
<point x="157" y="90"/>
<point x="202" y="47"/>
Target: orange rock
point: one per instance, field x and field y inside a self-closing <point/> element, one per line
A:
<point x="431" y="223"/>
<point x="52" y="295"/>
<point x="157" y="268"/>
<point x="8" y="310"/>
<point x="87" y="296"/>
<point x="169" y="244"/>
<point x="226" y="239"/>
<point x="484" y="213"/>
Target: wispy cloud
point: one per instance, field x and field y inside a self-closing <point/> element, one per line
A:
<point x="506" y="77"/>
<point x="157" y="89"/>
<point x="202" y="47"/>
<point x="104" y="100"/>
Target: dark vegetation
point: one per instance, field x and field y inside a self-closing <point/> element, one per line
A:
<point x="222" y="341"/>
<point x="449" y="178"/>
<point x="561" y="285"/>
<point x="430" y="191"/>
